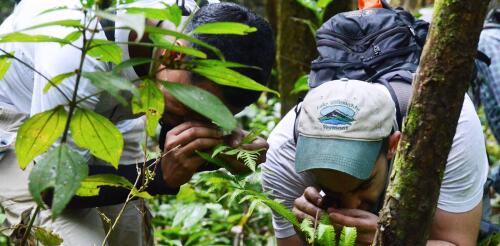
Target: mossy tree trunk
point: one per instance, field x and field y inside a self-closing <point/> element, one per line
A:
<point x="296" y="44"/>
<point x="439" y="89"/>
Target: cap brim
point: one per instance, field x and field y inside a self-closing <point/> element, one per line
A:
<point x="354" y="157"/>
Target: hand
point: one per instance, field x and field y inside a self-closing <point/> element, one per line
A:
<point x="180" y="160"/>
<point x="365" y="222"/>
<point x="308" y="205"/>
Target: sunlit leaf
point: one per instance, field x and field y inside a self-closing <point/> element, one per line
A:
<point x="323" y="3"/>
<point x="162" y="43"/>
<point x="57" y="80"/>
<point x="152" y="103"/>
<point x="310" y="4"/>
<point x="186" y="194"/>
<point x="135" y="22"/>
<point x="5" y="62"/>
<point x="61" y="169"/>
<point x="307" y="228"/>
<point x="47" y="237"/>
<point x="301" y="85"/>
<point x="224" y="28"/>
<point x="38" y="133"/>
<point x="53" y="9"/>
<point x="228" y="77"/>
<point x="105" y="50"/>
<point x="26" y="38"/>
<point x="91" y="185"/>
<point x="113" y="84"/>
<point x="204" y="103"/>
<point x="73" y="36"/>
<point x="348" y="236"/>
<point x="171" y="13"/>
<point x="325" y="235"/>
<point x="96" y="133"/>
<point x="189" y="215"/>
<point x="182" y="36"/>
<point x="65" y="23"/>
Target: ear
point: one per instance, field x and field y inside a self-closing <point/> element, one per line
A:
<point x="393" y="144"/>
<point x="176" y="56"/>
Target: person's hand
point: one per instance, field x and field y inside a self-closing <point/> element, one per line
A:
<point x="365" y="222"/>
<point x="308" y="205"/>
<point x="180" y="160"/>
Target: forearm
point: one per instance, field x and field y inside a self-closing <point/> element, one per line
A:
<point x="439" y="243"/>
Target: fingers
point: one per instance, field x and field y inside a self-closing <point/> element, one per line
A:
<point x="357" y="218"/>
<point x="301" y="215"/>
<point x="305" y="206"/>
<point x="188" y="132"/>
<point x="312" y="195"/>
<point x="258" y="143"/>
<point x="198" y="144"/>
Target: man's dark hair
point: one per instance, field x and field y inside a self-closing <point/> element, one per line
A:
<point x="255" y="49"/>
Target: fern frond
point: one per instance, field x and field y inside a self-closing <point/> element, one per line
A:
<point x="325" y="235"/>
<point x="348" y="236"/>
<point x="325" y="219"/>
<point x="307" y="228"/>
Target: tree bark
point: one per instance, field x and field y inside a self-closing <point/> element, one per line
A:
<point x="438" y="94"/>
<point x="296" y="45"/>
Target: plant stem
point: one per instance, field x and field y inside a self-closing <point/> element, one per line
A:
<point x="30" y="225"/>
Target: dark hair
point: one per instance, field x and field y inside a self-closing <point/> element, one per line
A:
<point x="255" y="49"/>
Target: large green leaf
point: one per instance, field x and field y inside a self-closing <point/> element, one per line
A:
<point x="26" y="38"/>
<point x="96" y="133"/>
<point x="61" y="169"/>
<point x="5" y="62"/>
<point x="164" y="44"/>
<point x="152" y="103"/>
<point x="38" y="133"/>
<point x="105" y="50"/>
<point x="113" y="84"/>
<point x="301" y="85"/>
<point x="179" y="35"/>
<point x="323" y="3"/>
<point x="91" y="185"/>
<point x="171" y="13"/>
<point x="72" y="36"/>
<point x="131" y="62"/>
<point x="227" y="77"/>
<point x="66" y="23"/>
<point x="310" y="4"/>
<point x="224" y="28"/>
<point x="135" y="22"/>
<point x="204" y="103"/>
<point x="57" y="80"/>
<point x="189" y="215"/>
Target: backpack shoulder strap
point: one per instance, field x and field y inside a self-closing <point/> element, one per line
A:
<point x="298" y="108"/>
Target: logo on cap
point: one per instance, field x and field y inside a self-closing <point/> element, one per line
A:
<point x="337" y="115"/>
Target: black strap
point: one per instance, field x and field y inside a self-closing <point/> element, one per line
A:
<point x="298" y="108"/>
<point x="483" y="57"/>
<point x="399" y="116"/>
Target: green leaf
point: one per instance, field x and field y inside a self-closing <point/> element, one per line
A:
<point x="53" y="9"/>
<point x="348" y="236"/>
<point x="227" y="77"/>
<point x="219" y="149"/>
<point x="130" y="63"/>
<point x="307" y="228"/>
<point x="5" y="62"/>
<point x="278" y="208"/>
<point x="310" y="4"/>
<point x="219" y="63"/>
<point x="323" y="3"/>
<point x="72" y="37"/>
<point x="186" y="194"/>
<point x="213" y="160"/>
<point x="65" y="23"/>
<point x="224" y="28"/>
<point x="91" y="185"/>
<point x="152" y="103"/>
<point x="62" y="169"/>
<point x="179" y="35"/>
<point x="164" y="44"/>
<point x="57" y="80"/>
<point x="96" y="133"/>
<point x="26" y="38"/>
<point x="204" y="103"/>
<point x="301" y="85"/>
<point x="189" y="215"/>
<point x="105" y="50"/>
<point x="46" y="237"/>
<point x="113" y="84"/>
<point x="38" y="133"/>
<point x="171" y="13"/>
<point x="136" y="22"/>
<point x="325" y="235"/>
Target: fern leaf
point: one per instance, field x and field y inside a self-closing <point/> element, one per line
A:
<point x="276" y="206"/>
<point x="325" y="219"/>
<point x="219" y="149"/>
<point x="325" y="235"/>
<point x="307" y="228"/>
<point x="348" y="236"/>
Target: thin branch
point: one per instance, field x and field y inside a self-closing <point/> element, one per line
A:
<point x="30" y="225"/>
<point x="36" y="71"/>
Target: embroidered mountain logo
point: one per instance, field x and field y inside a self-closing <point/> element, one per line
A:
<point x="337" y="115"/>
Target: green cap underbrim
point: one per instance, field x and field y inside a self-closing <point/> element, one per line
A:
<point x="354" y="157"/>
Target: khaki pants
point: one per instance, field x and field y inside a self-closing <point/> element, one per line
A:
<point x="77" y="227"/>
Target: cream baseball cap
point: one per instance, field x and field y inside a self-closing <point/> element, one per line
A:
<point x="342" y="125"/>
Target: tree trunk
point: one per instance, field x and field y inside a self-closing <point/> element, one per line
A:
<point x="446" y="68"/>
<point x="296" y="45"/>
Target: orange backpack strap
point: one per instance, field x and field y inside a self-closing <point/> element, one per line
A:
<point x="369" y="4"/>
